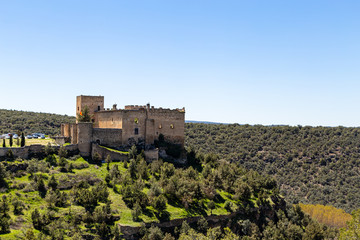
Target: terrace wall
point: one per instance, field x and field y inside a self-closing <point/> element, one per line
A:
<point x="35" y="151"/>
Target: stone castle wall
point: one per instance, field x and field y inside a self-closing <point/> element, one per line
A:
<point x="107" y="136"/>
<point x="170" y="123"/>
<point x="84" y="134"/>
<point x="108" y="119"/>
<point x="133" y="119"/>
<point x="35" y="150"/>
<point x="103" y="153"/>
<point x="150" y="123"/>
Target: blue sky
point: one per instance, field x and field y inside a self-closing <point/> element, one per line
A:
<point x="249" y="62"/>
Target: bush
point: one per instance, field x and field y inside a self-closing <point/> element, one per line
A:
<point x="159" y="203"/>
<point x="136" y="212"/>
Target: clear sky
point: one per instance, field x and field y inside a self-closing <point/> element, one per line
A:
<point x="249" y="62"/>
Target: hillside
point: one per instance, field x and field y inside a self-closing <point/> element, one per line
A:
<point x="63" y="197"/>
<point x="12" y="121"/>
<point x="317" y="165"/>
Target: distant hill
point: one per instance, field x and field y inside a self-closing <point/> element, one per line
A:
<point x="205" y="122"/>
<point x="12" y="121"/>
<point x="317" y="165"/>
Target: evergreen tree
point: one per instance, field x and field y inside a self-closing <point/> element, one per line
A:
<point x="52" y="183"/>
<point x="36" y="219"/>
<point x="22" y="144"/>
<point x="3" y="174"/>
<point x="108" y="161"/>
<point x="211" y="206"/>
<point x="62" y="152"/>
<point x="84" y="115"/>
<point x="41" y="187"/>
<point x="4" y="215"/>
<point x="11" y="140"/>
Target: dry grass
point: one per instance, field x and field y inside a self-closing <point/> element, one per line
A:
<point x="28" y="142"/>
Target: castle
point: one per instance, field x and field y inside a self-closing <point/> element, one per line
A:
<point x="115" y="128"/>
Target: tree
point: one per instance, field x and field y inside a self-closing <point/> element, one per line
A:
<point x="108" y="161"/>
<point x="202" y="225"/>
<point x="62" y="152"/>
<point x="3" y="175"/>
<point x="155" y="233"/>
<point x="30" y="235"/>
<point x="52" y="183"/>
<point x="37" y="220"/>
<point x="353" y="227"/>
<point x="159" y="203"/>
<point x="18" y="206"/>
<point x="136" y="212"/>
<point x="4" y="215"/>
<point x="10" y="154"/>
<point x="133" y="152"/>
<point x="211" y="206"/>
<point x="40" y="185"/>
<point x="11" y="140"/>
<point x="22" y="144"/>
<point x="132" y="168"/>
<point x="84" y="116"/>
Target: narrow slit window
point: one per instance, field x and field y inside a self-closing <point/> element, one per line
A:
<point x="136" y="131"/>
<point x="98" y="108"/>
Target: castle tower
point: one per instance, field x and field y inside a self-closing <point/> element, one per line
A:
<point x="94" y="104"/>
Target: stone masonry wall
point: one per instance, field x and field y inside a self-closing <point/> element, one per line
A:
<point x="94" y="103"/>
<point x="170" y="123"/>
<point x="84" y="134"/>
<point x="108" y="137"/>
<point x="103" y="153"/>
<point x="35" y="150"/>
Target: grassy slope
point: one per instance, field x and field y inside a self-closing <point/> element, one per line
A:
<point x="33" y="200"/>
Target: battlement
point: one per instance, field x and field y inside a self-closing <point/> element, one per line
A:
<point x="135" y="107"/>
<point x="149" y="108"/>
<point x="165" y="110"/>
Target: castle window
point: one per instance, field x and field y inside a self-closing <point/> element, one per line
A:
<point x="136" y="131"/>
<point x="172" y="126"/>
<point x="98" y="108"/>
<point x="78" y="108"/>
<point x="160" y="126"/>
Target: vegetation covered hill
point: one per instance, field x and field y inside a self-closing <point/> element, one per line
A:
<point x="12" y="121"/>
<point x="62" y="197"/>
<point x="316" y="165"/>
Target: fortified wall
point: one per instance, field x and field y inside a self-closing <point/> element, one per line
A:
<point x="133" y="125"/>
